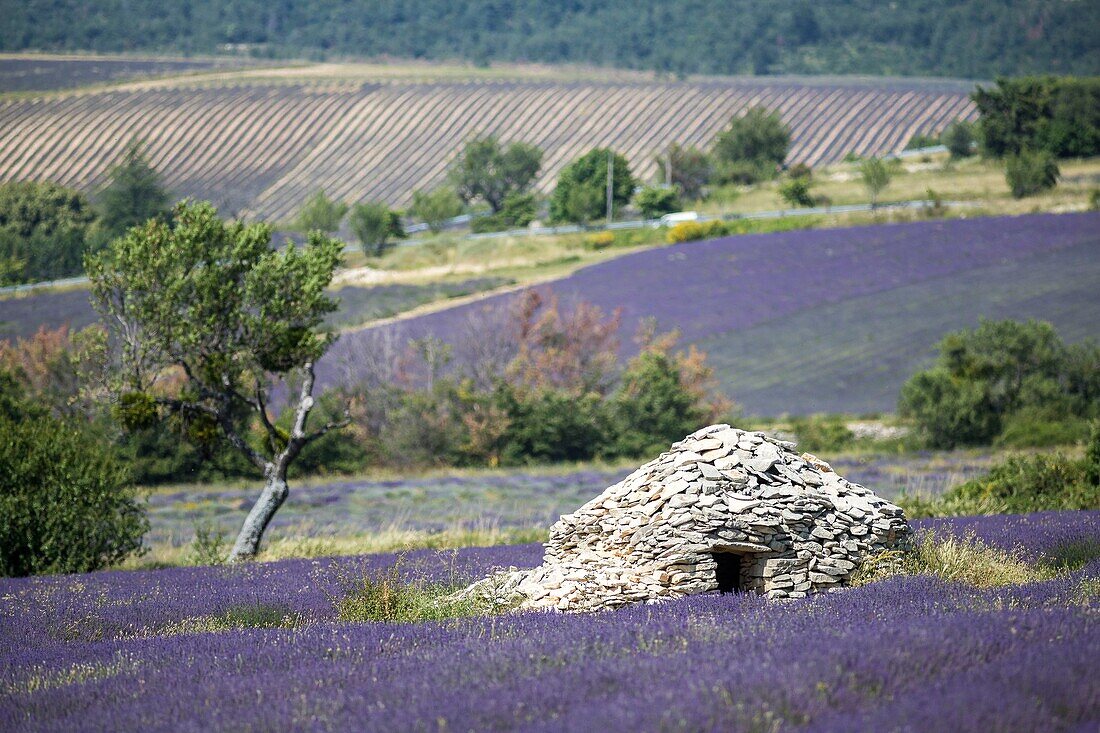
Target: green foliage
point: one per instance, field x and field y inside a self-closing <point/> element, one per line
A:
<point x="491" y="172"/>
<point x="387" y="596"/>
<point x="214" y="295"/>
<point x="876" y="177"/>
<point x="1092" y="456"/>
<point x="518" y="210"/>
<point x="549" y="425"/>
<point x="1041" y="427"/>
<point x="822" y="433"/>
<point x="45" y="230"/>
<point x="208" y="546"/>
<point x="920" y="140"/>
<point x="653" y="407"/>
<point x="435" y="207"/>
<point x="321" y="214"/>
<point x="67" y="502"/>
<point x="1056" y="115"/>
<point x="134" y="193"/>
<point x="954" y="559"/>
<point x="581" y="193"/>
<point x="136" y="411"/>
<point x="959" y="139"/>
<point x="375" y="225"/>
<point x="801" y="170"/>
<point x="1030" y="172"/>
<point x="336" y="452"/>
<point x="1020" y="485"/>
<point x="796" y="192"/>
<point x="984" y="376"/>
<point x="971" y="39"/>
<point x="211" y="299"/>
<point x="656" y="201"/>
<point x="690" y="169"/>
<point x="752" y="148"/>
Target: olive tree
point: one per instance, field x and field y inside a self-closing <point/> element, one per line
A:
<point x="208" y="320"/>
<point x="492" y="172"/>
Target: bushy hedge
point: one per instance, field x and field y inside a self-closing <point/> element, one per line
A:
<point x="65" y="500"/>
<point x="1021" y="485"/>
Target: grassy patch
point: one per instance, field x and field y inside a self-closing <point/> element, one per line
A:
<point x="209" y="547"/>
<point x="234" y="618"/>
<point x="964" y="560"/>
<point x="389" y="596"/>
<point x="1020" y="485"/>
<point x="39" y="679"/>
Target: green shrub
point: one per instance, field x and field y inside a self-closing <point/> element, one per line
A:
<point x="653" y="406"/>
<point x="821" y="433"/>
<point x="949" y="411"/>
<point x="985" y="375"/>
<point x="796" y="192"/>
<point x="1037" y="427"/>
<point x="209" y="546"/>
<point x="1030" y="173"/>
<point x="518" y="210"/>
<point x="549" y="425"/>
<point x="656" y="201"/>
<point x="66" y="501"/>
<point x="752" y="148"/>
<point x="1020" y="485"/>
<point x="959" y="139"/>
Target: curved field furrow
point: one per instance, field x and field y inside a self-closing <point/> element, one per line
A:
<point x="263" y="148"/>
<point x="292" y="136"/>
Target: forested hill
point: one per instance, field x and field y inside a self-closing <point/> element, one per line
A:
<point x="955" y="38"/>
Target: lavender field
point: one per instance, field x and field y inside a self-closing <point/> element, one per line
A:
<point x="46" y="73"/>
<point x="833" y="319"/>
<point x="120" y="650"/>
<point x="23" y="314"/>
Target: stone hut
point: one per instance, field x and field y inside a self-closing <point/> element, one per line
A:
<point x="723" y="510"/>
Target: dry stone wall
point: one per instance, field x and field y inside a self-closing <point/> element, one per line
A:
<point x="723" y="509"/>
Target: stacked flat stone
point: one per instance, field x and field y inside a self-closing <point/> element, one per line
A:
<point x="798" y="527"/>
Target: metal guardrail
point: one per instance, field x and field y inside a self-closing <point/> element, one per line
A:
<point x="776" y="214"/>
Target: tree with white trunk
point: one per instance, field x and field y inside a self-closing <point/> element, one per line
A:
<point x="207" y="321"/>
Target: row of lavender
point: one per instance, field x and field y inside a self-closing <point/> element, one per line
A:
<point x="914" y="653"/>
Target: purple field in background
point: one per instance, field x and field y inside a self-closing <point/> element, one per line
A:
<point x="725" y="286"/>
<point x="912" y="653"/>
<point x="506" y="499"/>
<point x="32" y="73"/>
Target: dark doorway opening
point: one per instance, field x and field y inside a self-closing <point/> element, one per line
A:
<point x="729" y="572"/>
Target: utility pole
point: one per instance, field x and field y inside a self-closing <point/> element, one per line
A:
<point x="610" y="184"/>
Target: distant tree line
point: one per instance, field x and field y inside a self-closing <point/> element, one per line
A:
<point x="956" y="38"/>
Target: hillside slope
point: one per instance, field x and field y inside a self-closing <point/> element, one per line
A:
<point x="825" y="320"/>
<point x="259" y="145"/>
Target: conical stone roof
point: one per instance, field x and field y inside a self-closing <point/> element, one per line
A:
<point x="722" y="498"/>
